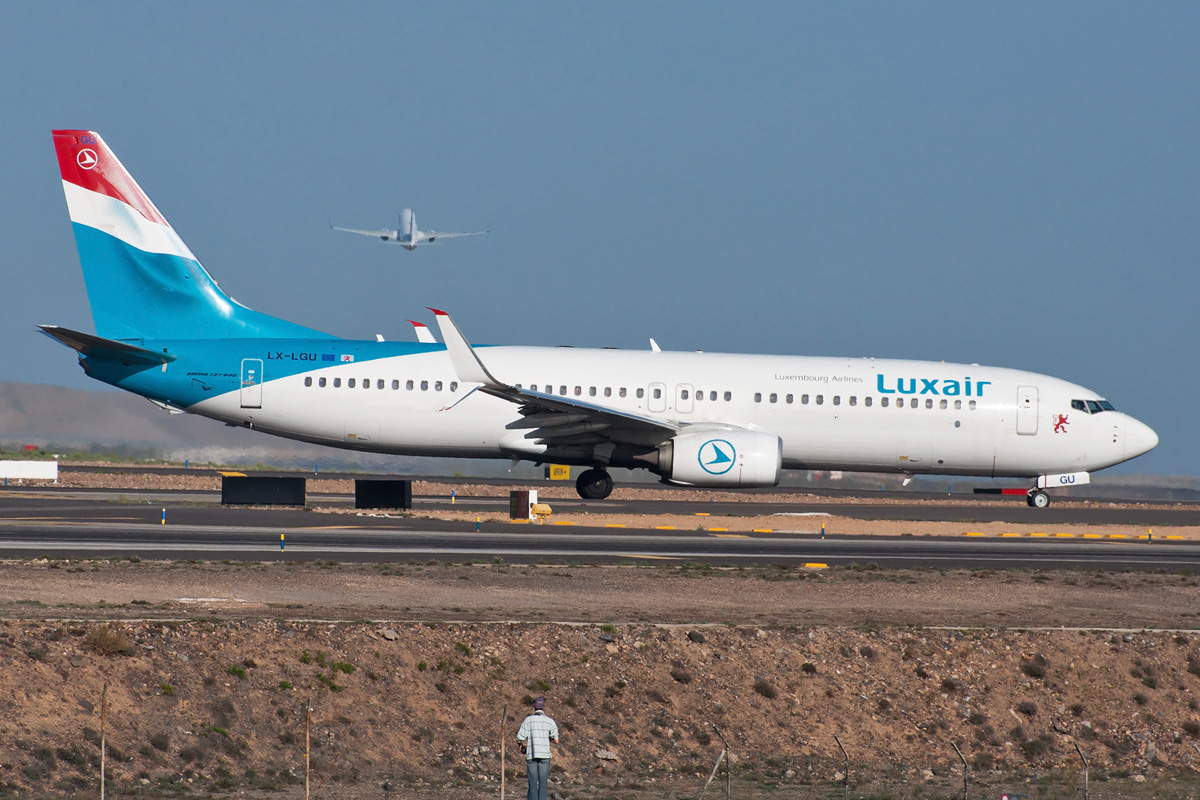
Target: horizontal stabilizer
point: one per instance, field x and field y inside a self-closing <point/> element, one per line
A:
<point x="108" y="349"/>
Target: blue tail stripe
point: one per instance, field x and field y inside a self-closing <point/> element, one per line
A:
<point x="140" y="295"/>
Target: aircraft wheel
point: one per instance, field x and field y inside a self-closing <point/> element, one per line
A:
<point x="594" y="484"/>
<point x="1037" y="499"/>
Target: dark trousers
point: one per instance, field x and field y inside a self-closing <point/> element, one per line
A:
<point x="538" y="770"/>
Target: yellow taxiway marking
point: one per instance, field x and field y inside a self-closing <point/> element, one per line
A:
<point x="763" y="530"/>
<point x="563" y="522"/>
<point x="972" y="533"/>
<point x="716" y="529"/>
<point x="234" y="474"/>
<point x="703" y="514"/>
<point x="1010" y="534"/>
<point x="1065" y="535"/>
<point x="816" y="566"/>
<point x="664" y="527"/>
<point x="519" y="521"/>
<point x="1093" y="535"/>
<point x="1117" y="536"/>
<point x="1172" y="537"/>
<point x="614" y="525"/>
<point x="729" y="535"/>
<point x="658" y="558"/>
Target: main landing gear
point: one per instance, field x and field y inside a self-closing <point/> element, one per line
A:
<point x="594" y="484"/>
<point x="1037" y="498"/>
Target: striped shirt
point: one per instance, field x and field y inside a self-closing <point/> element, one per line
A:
<point x="537" y="730"/>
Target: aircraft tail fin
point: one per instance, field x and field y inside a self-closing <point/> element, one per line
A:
<point x="142" y="280"/>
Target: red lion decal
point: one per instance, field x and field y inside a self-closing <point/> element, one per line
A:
<point x="1060" y="423"/>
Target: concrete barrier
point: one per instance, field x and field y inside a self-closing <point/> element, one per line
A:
<point x="382" y="494"/>
<point x="262" y="491"/>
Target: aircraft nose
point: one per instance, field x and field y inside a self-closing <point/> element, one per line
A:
<point x="1139" y="438"/>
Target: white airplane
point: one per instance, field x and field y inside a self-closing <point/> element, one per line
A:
<point x="407" y="235"/>
<point x="165" y="330"/>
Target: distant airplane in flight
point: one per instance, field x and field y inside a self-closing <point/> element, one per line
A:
<point x="408" y="236"/>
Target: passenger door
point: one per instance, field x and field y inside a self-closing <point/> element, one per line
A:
<point x="252" y="377"/>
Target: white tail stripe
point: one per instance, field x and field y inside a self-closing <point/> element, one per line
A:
<point x="116" y="218"/>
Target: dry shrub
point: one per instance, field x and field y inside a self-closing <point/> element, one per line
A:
<point x="109" y="641"/>
<point x="766" y="689"/>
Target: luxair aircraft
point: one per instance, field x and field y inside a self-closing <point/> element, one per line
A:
<point x="408" y="235"/>
<point x="165" y="330"/>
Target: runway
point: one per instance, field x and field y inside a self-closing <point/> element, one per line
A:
<point x="75" y="524"/>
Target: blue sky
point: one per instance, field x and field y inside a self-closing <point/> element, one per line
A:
<point x="996" y="183"/>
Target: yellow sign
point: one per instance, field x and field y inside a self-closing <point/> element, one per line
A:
<point x="560" y="472"/>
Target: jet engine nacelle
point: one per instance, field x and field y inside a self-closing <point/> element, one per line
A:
<point x="723" y="458"/>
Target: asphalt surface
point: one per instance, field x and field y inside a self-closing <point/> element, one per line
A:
<point x="77" y="524"/>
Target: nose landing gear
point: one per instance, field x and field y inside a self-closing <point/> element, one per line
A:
<point x="1037" y="498"/>
<point x="594" y="484"/>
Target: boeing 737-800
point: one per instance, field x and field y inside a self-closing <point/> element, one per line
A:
<point x="407" y="235"/>
<point x="165" y="330"/>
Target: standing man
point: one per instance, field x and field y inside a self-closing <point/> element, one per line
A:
<point x="535" y="734"/>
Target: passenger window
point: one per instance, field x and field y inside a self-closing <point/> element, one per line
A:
<point x="958" y="405"/>
<point x="914" y="403"/>
<point x="820" y="399"/>
<point x="308" y="381"/>
<point x="728" y="396"/>
<point x="971" y="405"/>
<point x="789" y="399"/>
<point x="621" y="391"/>
<point x="713" y="396"/>
<point x="549" y="390"/>
<point x="943" y="403"/>
<point x="379" y="383"/>
<point x="658" y="394"/>
<point x="774" y="397"/>
<point x="683" y="394"/>
<point x="641" y="393"/>
<point x="321" y="382"/>
<point x="424" y="386"/>
<point x="608" y="391"/>
<point x="437" y="386"/>
<point x="408" y="384"/>
<point x="1079" y="405"/>
<point x="837" y="399"/>
<point x="853" y="400"/>
<point x="337" y="383"/>
<point x="562" y="390"/>
<point x="803" y="399"/>
<point x="699" y="395"/>
<point x="758" y="397"/>
<point x="867" y="402"/>
<point x="883" y="402"/>
<point x="591" y="391"/>
<point x="350" y="383"/>
<point x="454" y="386"/>
<point x="578" y="391"/>
<point x="366" y="383"/>
<point x="395" y="385"/>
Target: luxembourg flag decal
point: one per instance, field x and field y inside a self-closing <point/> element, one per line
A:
<point x="347" y="359"/>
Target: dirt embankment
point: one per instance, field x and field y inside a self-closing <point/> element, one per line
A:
<point x="209" y="667"/>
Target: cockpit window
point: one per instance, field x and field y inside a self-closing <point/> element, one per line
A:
<point x="1107" y="406"/>
<point x="1079" y="405"/>
<point x="1094" y="407"/>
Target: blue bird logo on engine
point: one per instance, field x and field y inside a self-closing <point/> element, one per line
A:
<point x="716" y="456"/>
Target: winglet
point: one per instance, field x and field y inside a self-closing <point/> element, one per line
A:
<point x="424" y="336"/>
<point x="466" y="364"/>
<point x="654" y="347"/>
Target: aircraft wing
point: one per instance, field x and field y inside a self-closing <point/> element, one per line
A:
<point x="383" y="234"/>
<point x="434" y="235"/>
<point x="553" y="420"/>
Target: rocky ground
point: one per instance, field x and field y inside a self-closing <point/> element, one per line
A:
<point x="409" y="669"/>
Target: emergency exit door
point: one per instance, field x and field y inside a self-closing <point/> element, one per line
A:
<point x="252" y="377"/>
